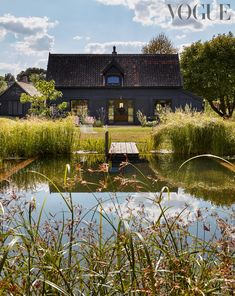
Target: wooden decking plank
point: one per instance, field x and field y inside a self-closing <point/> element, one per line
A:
<point x="129" y="148"/>
<point x="122" y="148"/>
<point x="134" y="148"/>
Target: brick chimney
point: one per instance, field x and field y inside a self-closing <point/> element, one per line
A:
<point x="114" y="51"/>
<point x="25" y="79"/>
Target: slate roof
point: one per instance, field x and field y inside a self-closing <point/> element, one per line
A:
<point x="29" y="88"/>
<point x="140" y="70"/>
<point x="26" y="87"/>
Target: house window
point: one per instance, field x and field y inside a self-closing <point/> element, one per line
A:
<point x="15" y="108"/>
<point x="79" y="107"/>
<point x="130" y="112"/>
<point x="111" y="111"/>
<point x="114" y="80"/>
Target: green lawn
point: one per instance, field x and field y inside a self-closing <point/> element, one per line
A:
<point x="123" y="133"/>
<point x="95" y="141"/>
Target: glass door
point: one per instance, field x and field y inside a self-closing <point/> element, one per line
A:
<point x="121" y="111"/>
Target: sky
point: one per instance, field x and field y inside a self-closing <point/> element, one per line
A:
<point x="30" y="29"/>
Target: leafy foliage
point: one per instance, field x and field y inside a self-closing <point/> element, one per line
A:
<point x="160" y="44"/>
<point x="209" y="71"/>
<point x="40" y="103"/>
<point x="32" y="74"/>
<point x="9" y="78"/>
<point x="3" y="84"/>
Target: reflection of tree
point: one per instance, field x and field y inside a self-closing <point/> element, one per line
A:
<point x="84" y="168"/>
<point x="203" y="178"/>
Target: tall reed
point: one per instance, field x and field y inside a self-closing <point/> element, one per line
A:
<point x="195" y="133"/>
<point x="26" y="138"/>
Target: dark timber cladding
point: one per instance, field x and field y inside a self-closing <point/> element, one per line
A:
<point x="120" y="84"/>
<point x="10" y="104"/>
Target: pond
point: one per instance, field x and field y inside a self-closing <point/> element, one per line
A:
<point x="203" y="185"/>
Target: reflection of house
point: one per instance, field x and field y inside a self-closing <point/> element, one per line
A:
<point x="10" y="100"/>
<point x="122" y="84"/>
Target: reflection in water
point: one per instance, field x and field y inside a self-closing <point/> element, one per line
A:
<point x="202" y="178"/>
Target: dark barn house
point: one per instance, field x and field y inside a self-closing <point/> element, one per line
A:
<point x="10" y="104"/>
<point x="122" y="84"/>
<point x="119" y="84"/>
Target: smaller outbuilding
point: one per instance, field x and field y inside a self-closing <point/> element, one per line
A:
<point x="10" y="104"/>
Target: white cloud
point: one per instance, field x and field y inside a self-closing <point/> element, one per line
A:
<point x="157" y="12"/>
<point x="2" y="34"/>
<point x="180" y="36"/>
<point x="136" y="203"/>
<point x="25" y="26"/>
<point x="35" y="45"/>
<point x="31" y="33"/>
<point x="107" y="47"/>
<point x="10" y="68"/>
<point x="41" y="63"/>
<point x="77" y="38"/>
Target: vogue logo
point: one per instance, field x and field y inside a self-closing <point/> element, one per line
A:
<point x="202" y="12"/>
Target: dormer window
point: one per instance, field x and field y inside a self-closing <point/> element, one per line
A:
<point x="113" y="74"/>
<point x="114" y="80"/>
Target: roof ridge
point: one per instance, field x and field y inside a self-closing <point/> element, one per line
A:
<point x="111" y="55"/>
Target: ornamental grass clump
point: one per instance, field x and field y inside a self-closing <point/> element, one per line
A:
<point x="195" y="133"/>
<point x="33" y="137"/>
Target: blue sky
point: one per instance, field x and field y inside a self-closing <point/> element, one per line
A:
<point x="29" y="29"/>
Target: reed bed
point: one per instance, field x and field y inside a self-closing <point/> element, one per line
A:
<point x="192" y="133"/>
<point x="32" y="137"/>
<point x="74" y="255"/>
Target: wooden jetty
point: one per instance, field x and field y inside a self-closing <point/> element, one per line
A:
<point x="123" y="151"/>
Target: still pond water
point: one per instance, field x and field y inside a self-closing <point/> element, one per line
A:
<point x="202" y="184"/>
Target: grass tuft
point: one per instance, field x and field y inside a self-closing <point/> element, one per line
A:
<point x="195" y="133"/>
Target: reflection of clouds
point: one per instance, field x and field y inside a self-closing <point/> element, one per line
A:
<point x="145" y="204"/>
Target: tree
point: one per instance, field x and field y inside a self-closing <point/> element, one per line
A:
<point x="209" y="70"/>
<point x="160" y="44"/>
<point x="40" y="103"/>
<point x="3" y="84"/>
<point x="32" y="73"/>
<point x="9" y="78"/>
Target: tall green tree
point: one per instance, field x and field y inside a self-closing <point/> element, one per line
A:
<point x="3" y="84"/>
<point x="160" y="44"/>
<point x="32" y="74"/>
<point x="9" y="78"/>
<point x="40" y="102"/>
<point x="209" y="70"/>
